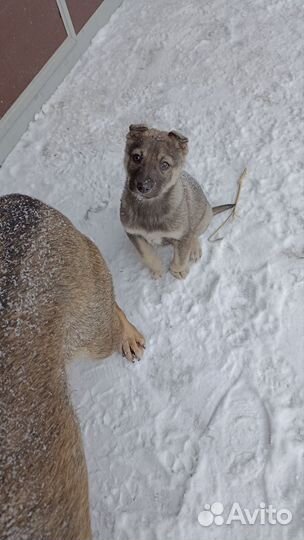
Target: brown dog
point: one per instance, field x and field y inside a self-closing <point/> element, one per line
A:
<point x="56" y="298"/>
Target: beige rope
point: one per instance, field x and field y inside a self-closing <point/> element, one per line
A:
<point x="233" y="213"/>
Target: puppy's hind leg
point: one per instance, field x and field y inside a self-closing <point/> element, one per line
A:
<point x="179" y="267"/>
<point x="204" y="222"/>
<point x="196" y="249"/>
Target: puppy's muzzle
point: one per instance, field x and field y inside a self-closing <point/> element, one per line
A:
<point x="145" y="186"/>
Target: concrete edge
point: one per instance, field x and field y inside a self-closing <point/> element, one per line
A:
<point x="16" y="120"/>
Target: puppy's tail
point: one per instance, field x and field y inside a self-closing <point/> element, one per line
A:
<point x="222" y="208"/>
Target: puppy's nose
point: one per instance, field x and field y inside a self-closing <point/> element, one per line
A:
<point x="144" y="186"/>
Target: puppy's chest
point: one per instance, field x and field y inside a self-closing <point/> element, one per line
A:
<point x="157" y="237"/>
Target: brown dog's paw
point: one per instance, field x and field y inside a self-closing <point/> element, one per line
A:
<point x="133" y="343"/>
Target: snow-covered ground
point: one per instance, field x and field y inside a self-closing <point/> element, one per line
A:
<point x="215" y="411"/>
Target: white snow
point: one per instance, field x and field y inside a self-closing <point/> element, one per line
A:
<point x="214" y="412"/>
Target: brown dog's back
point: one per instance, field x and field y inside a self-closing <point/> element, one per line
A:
<point x="56" y="297"/>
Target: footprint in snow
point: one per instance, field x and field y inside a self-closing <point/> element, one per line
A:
<point x="245" y="436"/>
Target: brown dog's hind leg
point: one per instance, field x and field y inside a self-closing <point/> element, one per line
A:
<point x="132" y="341"/>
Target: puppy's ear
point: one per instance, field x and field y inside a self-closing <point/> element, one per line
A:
<point x="136" y="130"/>
<point x="180" y="139"/>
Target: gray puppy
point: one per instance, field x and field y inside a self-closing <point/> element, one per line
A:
<point x="161" y="203"/>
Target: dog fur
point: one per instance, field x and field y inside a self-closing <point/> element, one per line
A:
<point x="56" y="299"/>
<point x="161" y="203"/>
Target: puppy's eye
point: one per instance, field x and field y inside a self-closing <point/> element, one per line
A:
<point x="164" y="166"/>
<point x="136" y="158"/>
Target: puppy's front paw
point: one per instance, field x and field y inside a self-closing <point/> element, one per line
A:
<point x="157" y="274"/>
<point x="179" y="273"/>
<point x="133" y="343"/>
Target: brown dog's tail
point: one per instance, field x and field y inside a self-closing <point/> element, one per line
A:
<point x="222" y="208"/>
